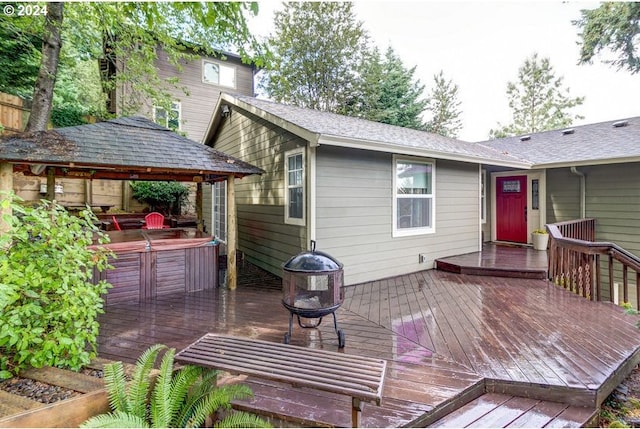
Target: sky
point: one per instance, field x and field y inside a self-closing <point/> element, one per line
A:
<point x="480" y="45"/>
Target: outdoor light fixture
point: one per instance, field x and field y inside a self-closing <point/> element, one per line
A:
<point x="226" y="111"/>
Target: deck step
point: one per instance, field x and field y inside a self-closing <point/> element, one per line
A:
<point x="505" y="411"/>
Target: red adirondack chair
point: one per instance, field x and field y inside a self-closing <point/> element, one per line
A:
<point x="154" y="220"/>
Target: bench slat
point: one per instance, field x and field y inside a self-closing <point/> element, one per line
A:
<point x="320" y="369"/>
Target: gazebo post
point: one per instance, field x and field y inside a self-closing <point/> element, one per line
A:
<point x="232" y="234"/>
<point x="51" y="184"/>
<point x="199" y="212"/>
<point x="6" y="187"/>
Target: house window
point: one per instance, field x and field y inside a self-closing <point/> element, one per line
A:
<point x="483" y="196"/>
<point x="413" y="195"/>
<point x="294" y="187"/>
<point x="218" y="74"/>
<point x="220" y="210"/>
<point x="170" y="119"/>
<point x="535" y="194"/>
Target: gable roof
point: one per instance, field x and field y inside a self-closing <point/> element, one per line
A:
<point x="324" y="128"/>
<point x="601" y="143"/>
<point x="132" y="144"/>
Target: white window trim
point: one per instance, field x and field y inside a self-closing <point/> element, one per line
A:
<point x="220" y="64"/>
<point x="483" y="196"/>
<point x="223" y="215"/>
<point x="287" y="219"/>
<point x="178" y="109"/>
<point x="408" y="232"/>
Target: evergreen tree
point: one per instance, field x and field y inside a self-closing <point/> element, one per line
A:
<point x="316" y="49"/>
<point x="614" y="27"/>
<point x="388" y="92"/>
<point x="444" y="106"/>
<point x="538" y="100"/>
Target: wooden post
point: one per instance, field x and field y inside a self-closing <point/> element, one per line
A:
<point x="232" y="234"/>
<point x="6" y="187"/>
<point x="199" y="212"/>
<point x="51" y="184"/>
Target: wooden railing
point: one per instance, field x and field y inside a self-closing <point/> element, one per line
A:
<point x="575" y="261"/>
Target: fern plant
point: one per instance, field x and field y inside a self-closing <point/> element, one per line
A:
<point x="182" y="398"/>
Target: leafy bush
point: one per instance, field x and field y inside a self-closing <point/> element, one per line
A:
<point x="48" y="306"/>
<point x="183" y="398"/>
<point x="164" y="197"/>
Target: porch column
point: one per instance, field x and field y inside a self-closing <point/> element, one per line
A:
<point x="232" y="234"/>
<point x="6" y="187"/>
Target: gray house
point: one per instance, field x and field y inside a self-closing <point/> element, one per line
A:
<point x="384" y="200"/>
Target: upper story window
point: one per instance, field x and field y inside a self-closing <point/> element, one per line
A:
<point x="218" y="74"/>
<point x="294" y="187"/>
<point x="170" y="119"/>
<point x="413" y="197"/>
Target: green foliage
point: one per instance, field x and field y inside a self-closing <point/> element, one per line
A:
<point x="387" y="92"/>
<point x="48" y="306"/>
<point x="67" y="117"/>
<point x="538" y="100"/>
<point x="164" y="197"/>
<point x="316" y="49"/>
<point x="182" y="398"/>
<point x="611" y="29"/>
<point x="443" y="106"/>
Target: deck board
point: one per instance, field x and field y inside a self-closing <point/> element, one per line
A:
<point x="442" y="334"/>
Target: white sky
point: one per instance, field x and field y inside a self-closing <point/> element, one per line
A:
<point x="480" y="45"/>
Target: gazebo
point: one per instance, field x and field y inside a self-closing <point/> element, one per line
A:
<point x="128" y="148"/>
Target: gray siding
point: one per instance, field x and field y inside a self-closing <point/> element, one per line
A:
<point x="262" y="234"/>
<point x="354" y="214"/>
<point x="563" y="195"/>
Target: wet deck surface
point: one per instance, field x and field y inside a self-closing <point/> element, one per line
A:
<point x="448" y="338"/>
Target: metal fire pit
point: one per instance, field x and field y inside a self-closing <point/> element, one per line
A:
<point x="312" y="288"/>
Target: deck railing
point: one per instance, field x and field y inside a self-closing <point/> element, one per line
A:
<point x="575" y="261"/>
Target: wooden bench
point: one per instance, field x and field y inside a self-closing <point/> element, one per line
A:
<point x="360" y="377"/>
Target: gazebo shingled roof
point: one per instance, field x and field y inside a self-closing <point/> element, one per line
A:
<point x="124" y="148"/>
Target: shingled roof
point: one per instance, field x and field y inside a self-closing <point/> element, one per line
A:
<point x="324" y="128"/>
<point x="600" y="143"/>
<point x="132" y="144"/>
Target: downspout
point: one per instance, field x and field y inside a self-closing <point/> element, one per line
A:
<point x="583" y="209"/>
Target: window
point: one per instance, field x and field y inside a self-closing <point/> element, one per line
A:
<point x="413" y="197"/>
<point x="535" y="194"/>
<point x="169" y="119"/>
<point x="218" y="74"/>
<point x="220" y="210"/>
<point x="294" y="187"/>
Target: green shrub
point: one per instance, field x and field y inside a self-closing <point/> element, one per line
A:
<point x="183" y="398"/>
<point x="48" y="306"/>
<point x="164" y="197"/>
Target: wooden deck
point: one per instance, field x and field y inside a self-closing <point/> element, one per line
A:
<point x="499" y="260"/>
<point x="462" y="350"/>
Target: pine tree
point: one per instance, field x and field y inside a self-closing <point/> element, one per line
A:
<point x="538" y="100"/>
<point x="444" y="106"/>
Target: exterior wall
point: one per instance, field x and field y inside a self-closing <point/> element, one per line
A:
<point x="563" y="195"/>
<point x="354" y="214"/>
<point x="197" y="106"/>
<point x="263" y="235"/>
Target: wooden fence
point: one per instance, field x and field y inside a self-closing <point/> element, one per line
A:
<point x="577" y="261"/>
<point x="13" y="113"/>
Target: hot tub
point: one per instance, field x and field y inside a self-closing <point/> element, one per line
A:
<point x="150" y="263"/>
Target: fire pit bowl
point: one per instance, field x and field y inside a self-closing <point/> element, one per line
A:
<point x="312" y="288"/>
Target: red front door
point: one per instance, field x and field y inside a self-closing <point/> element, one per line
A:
<point x="511" y="209"/>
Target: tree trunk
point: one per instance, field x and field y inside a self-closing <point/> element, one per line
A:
<point x="43" y="91"/>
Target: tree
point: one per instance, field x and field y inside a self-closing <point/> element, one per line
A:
<point x="43" y="91"/>
<point x="131" y="31"/>
<point x="613" y="27"/>
<point x="316" y="49"/>
<point x="444" y="106"/>
<point x="538" y="100"/>
<point x="387" y="92"/>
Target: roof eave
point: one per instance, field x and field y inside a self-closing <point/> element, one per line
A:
<point x="587" y="162"/>
<point x="416" y="151"/>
